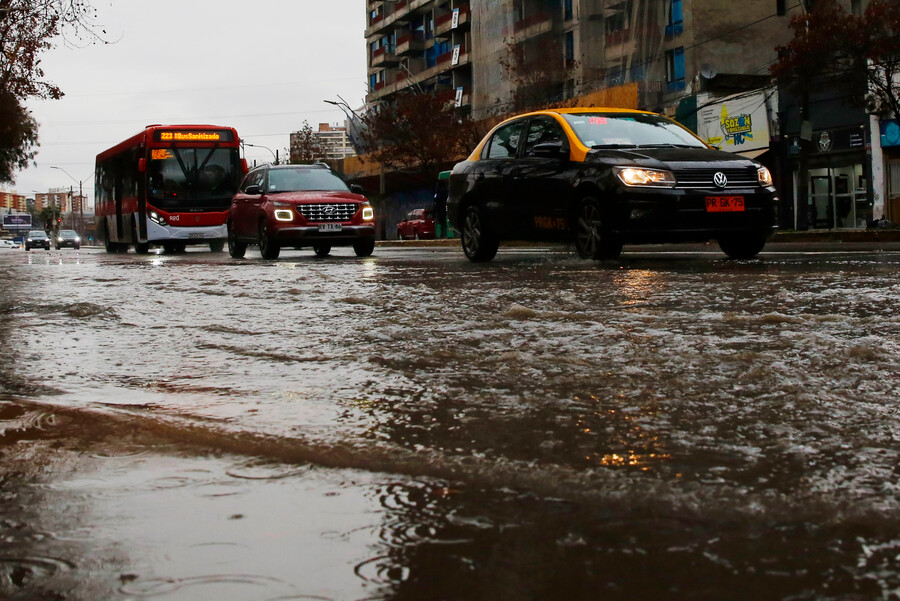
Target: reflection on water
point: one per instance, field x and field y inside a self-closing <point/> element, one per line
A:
<point x="554" y="428"/>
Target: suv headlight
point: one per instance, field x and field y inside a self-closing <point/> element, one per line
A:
<point x="368" y="213"/>
<point x="765" y="178"/>
<point x="284" y="215"/>
<point x="636" y="176"/>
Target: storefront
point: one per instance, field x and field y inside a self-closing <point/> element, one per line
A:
<point x="839" y="174"/>
<point x="890" y="145"/>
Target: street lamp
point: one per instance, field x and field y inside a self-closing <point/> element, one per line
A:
<point x="80" y="194"/>
<point x="274" y="153"/>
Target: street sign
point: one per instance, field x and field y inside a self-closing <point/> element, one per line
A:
<point x="17" y="222"/>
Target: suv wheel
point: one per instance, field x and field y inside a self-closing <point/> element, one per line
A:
<point x="364" y="248"/>
<point x="478" y="243"/>
<point x="592" y="238"/>
<point x="236" y="248"/>
<point x="322" y="250"/>
<point x="268" y="248"/>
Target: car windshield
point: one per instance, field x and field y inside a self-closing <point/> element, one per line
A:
<point x="304" y="180"/>
<point x="36" y="234"/>
<point x="193" y="178"/>
<point x="629" y="130"/>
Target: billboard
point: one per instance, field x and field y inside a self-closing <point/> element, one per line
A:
<point x="21" y="221"/>
<point x="737" y="124"/>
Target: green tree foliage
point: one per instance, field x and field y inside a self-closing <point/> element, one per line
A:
<point x="18" y="136"/>
<point x="421" y="132"/>
<point x="27" y="29"/>
<point x="857" y="53"/>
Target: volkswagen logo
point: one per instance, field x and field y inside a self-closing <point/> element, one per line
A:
<point x="720" y="180"/>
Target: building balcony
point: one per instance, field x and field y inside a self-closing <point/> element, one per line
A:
<point x="410" y="43"/>
<point x="445" y="24"/>
<point x="400" y="79"/>
<point x="532" y="26"/>
<point x="384" y="58"/>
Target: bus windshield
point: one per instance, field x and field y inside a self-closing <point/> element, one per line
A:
<point x="193" y="179"/>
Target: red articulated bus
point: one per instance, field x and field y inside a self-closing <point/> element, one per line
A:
<point x="169" y="186"/>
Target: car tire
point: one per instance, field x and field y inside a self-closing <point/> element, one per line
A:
<point x="364" y="247"/>
<point x="217" y="246"/>
<point x="743" y="246"/>
<point x="236" y="248"/>
<point x="57" y="247"/>
<point x="593" y="239"/>
<point x="478" y="242"/>
<point x="399" y="235"/>
<point x="268" y="248"/>
<point x="77" y="247"/>
<point x="322" y="250"/>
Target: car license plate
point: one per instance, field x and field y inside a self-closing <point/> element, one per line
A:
<point x="724" y="204"/>
<point x="329" y="227"/>
<point x="195" y="235"/>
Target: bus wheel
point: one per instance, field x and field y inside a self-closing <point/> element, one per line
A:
<point x="172" y="248"/>
<point x="111" y="247"/>
<point x="141" y="248"/>
<point x="217" y="246"/>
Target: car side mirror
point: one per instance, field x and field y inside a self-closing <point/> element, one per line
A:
<point x="356" y="189"/>
<point x="252" y="190"/>
<point x="551" y="150"/>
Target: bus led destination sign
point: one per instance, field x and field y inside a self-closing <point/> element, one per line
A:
<point x="194" y="136"/>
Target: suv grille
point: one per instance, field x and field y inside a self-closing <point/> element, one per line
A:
<point x="342" y="211"/>
<point x="702" y="179"/>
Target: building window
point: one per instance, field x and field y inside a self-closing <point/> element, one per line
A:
<point x="675" y="70"/>
<point x="567" y="10"/>
<point x="619" y="17"/>
<point x="676" y="22"/>
<point x="570" y="49"/>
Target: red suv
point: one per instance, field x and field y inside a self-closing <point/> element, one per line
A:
<point x="299" y="206"/>
<point x="419" y="224"/>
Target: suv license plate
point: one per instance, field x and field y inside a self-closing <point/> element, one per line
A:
<point x="329" y="227"/>
<point x="724" y="204"/>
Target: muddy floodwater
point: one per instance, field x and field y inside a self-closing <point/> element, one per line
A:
<point x="411" y="426"/>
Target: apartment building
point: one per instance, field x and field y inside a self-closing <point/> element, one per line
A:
<point x="12" y="201"/>
<point x="664" y="50"/>
<point x="334" y="142"/>
<point x="703" y="62"/>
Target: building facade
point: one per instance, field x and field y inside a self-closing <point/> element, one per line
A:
<point x="13" y="202"/>
<point x="692" y="60"/>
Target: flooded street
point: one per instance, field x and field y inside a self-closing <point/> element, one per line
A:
<point x="412" y="426"/>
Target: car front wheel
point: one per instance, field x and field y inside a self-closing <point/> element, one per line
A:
<point x="743" y="246"/>
<point x="479" y="244"/>
<point x="322" y="250"/>
<point x="268" y="248"/>
<point x="236" y="248"/>
<point x="364" y="248"/>
<point x="592" y="237"/>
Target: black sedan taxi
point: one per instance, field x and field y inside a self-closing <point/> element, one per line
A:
<point x="604" y="177"/>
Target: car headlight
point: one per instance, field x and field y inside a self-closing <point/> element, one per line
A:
<point x="368" y="213"/>
<point x="635" y="176"/>
<point x="765" y="178"/>
<point x="157" y="218"/>
<point x="77" y="238"/>
<point x="59" y="239"/>
<point x="284" y="215"/>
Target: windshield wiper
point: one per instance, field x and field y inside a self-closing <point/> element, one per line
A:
<point x="666" y="145"/>
<point x="612" y="146"/>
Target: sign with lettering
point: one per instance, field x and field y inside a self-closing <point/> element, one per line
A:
<point x="20" y="221"/>
<point x="455" y="60"/>
<point x="454" y="22"/>
<point x="185" y="135"/>
<point x="736" y="124"/>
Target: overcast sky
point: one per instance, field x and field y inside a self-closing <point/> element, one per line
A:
<point x="262" y="66"/>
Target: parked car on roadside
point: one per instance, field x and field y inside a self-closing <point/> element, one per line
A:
<point x="418" y="225"/>
<point x="6" y="244"/>
<point x="68" y="238"/>
<point x="603" y="177"/>
<point x="36" y="239"/>
<point x="299" y="206"/>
